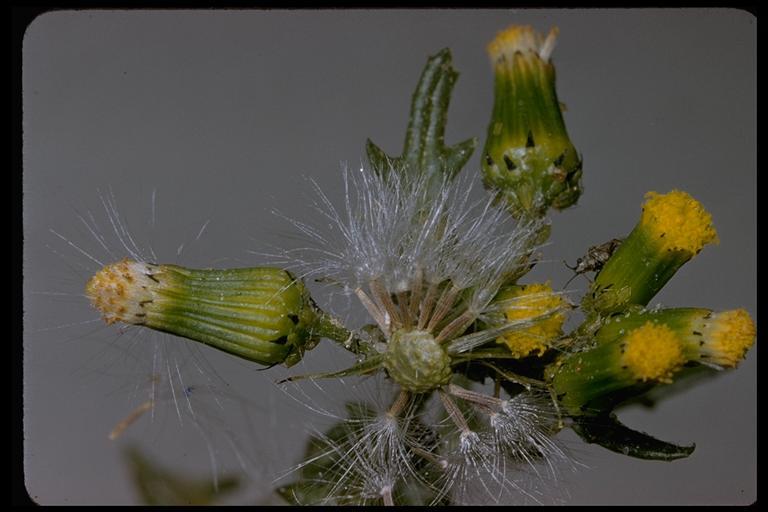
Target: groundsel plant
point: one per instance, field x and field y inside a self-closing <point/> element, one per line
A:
<point x="479" y="369"/>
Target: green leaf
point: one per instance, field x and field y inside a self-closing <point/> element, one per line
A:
<point x="606" y="431"/>
<point x="424" y="150"/>
<point x="157" y="485"/>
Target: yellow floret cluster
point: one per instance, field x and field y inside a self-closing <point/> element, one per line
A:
<point x="528" y="303"/>
<point x="731" y="334"/>
<point x="652" y="352"/>
<point x="678" y="222"/>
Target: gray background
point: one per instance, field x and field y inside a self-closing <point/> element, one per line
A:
<point x="222" y="112"/>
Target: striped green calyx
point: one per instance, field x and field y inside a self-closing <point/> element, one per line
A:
<point x="528" y="157"/>
<point x="260" y="314"/>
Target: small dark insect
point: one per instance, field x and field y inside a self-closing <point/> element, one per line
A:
<point x="595" y="258"/>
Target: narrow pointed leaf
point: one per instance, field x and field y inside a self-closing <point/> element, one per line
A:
<point x="608" y="432"/>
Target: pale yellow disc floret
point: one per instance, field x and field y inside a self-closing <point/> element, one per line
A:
<point x="532" y="302"/>
<point x="524" y="39"/>
<point x="730" y="335"/>
<point x="119" y="291"/>
<point x="678" y="222"/>
<point x="652" y="352"/>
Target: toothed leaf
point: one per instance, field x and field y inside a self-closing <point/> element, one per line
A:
<point x="424" y="150"/>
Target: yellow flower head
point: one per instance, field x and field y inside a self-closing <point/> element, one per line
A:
<point x="530" y="302"/>
<point x="652" y="352"/>
<point x="678" y="222"/>
<point x="727" y="337"/>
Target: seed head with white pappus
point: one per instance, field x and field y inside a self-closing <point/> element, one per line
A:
<point x="425" y="266"/>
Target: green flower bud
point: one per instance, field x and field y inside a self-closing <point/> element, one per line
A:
<point x="259" y="314"/>
<point x="528" y="156"/>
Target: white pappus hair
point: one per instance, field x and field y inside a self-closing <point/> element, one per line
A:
<point x="400" y="232"/>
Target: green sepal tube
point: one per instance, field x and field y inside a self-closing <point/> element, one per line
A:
<point x="260" y="314"/>
<point x="677" y="319"/>
<point x="633" y="275"/>
<point x="673" y="228"/>
<point x="581" y="378"/>
<point x="528" y="157"/>
<point x="624" y="364"/>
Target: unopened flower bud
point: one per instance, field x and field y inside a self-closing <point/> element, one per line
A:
<point x="528" y="157"/>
